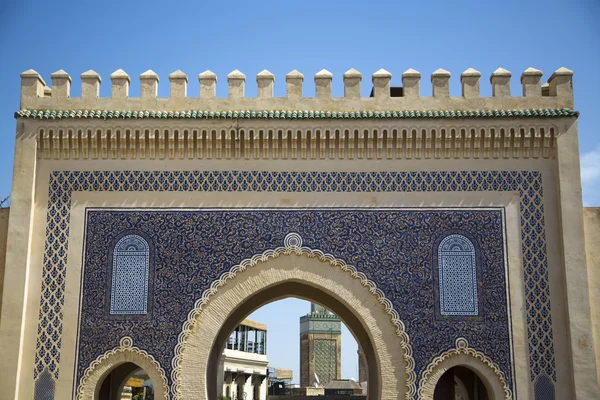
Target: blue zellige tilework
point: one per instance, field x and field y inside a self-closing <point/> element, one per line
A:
<point x="392" y="247"/>
<point x="527" y="183"/>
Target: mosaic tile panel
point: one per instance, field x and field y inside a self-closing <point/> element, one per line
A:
<point x="457" y="277"/>
<point x="325" y="360"/>
<point x="130" y="273"/>
<point x="527" y="183"/>
<point x="392" y="247"/>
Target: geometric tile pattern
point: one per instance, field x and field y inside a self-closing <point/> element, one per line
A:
<point x="390" y="248"/>
<point x="325" y="359"/>
<point x="457" y="276"/>
<point x="129" y="289"/>
<point x="527" y="183"/>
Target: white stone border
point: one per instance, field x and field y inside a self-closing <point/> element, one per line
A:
<point x="463" y="355"/>
<point x="125" y="352"/>
<point x="293" y="245"/>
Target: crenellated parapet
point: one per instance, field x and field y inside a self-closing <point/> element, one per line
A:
<point x="557" y="93"/>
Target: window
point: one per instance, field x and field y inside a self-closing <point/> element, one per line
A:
<point x="131" y="264"/>
<point x="457" y="277"/>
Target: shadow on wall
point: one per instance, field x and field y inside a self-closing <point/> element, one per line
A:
<point x="4" y="212"/>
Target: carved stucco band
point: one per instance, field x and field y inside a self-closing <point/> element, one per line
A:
<point x="293" y="245"/>
<point x="485" y="368"/>
<point x="125" y="352"/>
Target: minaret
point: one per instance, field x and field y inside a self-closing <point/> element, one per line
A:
<point x="320" y="347"/>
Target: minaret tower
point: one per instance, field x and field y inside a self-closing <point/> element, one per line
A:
<point x="320" y="347"/>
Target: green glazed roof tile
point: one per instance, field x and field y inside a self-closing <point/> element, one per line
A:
<point x="297" y="114"/>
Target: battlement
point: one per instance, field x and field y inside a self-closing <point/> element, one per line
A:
<point x="557" y="93"/>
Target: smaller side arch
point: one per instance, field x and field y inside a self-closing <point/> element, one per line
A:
<point x="124" y="353"/>
<point x="489" y="373"/>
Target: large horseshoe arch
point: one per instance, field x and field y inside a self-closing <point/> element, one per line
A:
<point x="295" y="271"/>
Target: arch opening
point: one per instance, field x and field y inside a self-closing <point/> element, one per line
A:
<point x="126" y="381"/>
<point x="347" y="293"/>
<point x="272" y="294"/>
<point x="455" y="368"/>
<point x="460" y="383"/>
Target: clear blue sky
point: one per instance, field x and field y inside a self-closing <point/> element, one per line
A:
<point x="310" y="35"/>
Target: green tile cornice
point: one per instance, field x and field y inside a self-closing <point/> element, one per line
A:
<point x="296" y="114"/>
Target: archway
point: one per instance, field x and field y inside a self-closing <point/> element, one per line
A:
<point x="125" y="359"/>
<point x="460" y="383"/>
<point x="126" y="381"/>
<point x="307" y="274"/>
<point x="283" y="290"/>
<point x="442" y="370"/>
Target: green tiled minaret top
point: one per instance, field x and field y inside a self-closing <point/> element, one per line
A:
<point x="320" y="320"/>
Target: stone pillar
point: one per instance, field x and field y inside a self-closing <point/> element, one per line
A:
<point x="323" y="80"/>
<point x="265" y="80"/>
<point x="179" y="81"/>
<point x="14" y="295"/>
<point x="440" y="82"/>
<point x="61" y="85"/>
<point x="470" y="83"/>
<point x="120" y="84"/>
<point x="90" y="85"/>
<point x="410" y="83"/>
<point x="352" y="80"/>
<point x="149" y="85"/>
<point x="500" y="80"/>
<point x="579" y="321"/>
<point x="530" y="80"/>
<point x="236" y="81"/>
<point x="32" y="86"/>
<point x="561" y="84"/>
<point x="208" y="84"/>
<point x="294" y="81"/>
<point x="381" y="84"/>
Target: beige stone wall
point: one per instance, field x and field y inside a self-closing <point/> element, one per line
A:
<point x="591" y="219"/>
<point x="4" y="212"/>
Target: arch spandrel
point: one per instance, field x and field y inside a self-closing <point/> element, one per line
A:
<point x="279" y="270"/>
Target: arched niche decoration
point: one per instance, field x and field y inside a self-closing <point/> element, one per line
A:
<point x="462" y="355"/>
<point x="130" y="275"/>
<point x="126" y="352"/>
<point x="299" y="271"/>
